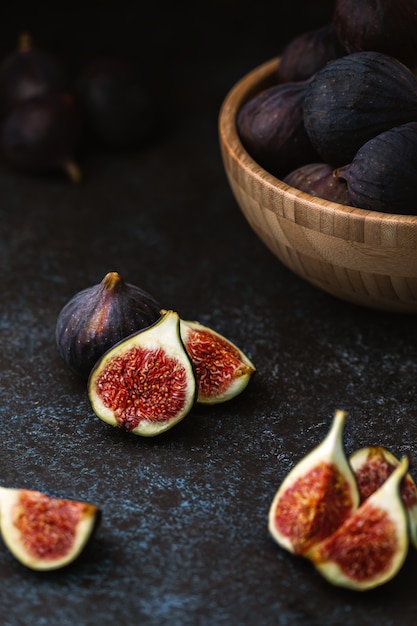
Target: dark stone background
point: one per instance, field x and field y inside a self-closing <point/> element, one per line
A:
<point x="183" y="539"/>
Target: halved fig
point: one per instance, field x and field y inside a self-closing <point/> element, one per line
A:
<point x="146" y="383"/>
<point x="317" y="496"/>
<point x="369" y="548"/>
<point x="223" y="371"/>
<point x="372" y="466"/>
<point x="45" y="532"/>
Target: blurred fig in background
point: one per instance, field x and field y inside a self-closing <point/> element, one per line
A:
<point x="42" y="134"/>
<point x="29" y="72"/>
<point x="116" y="103"/>
<point x="388" y="26"/>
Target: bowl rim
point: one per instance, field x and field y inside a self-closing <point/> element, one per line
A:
<point x="250" y="84"/>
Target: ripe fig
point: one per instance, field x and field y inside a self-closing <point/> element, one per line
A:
<point x="317" y="495"/>
<point x="146" y="383"/>
<point x="388" y="26"/>
<point x="370" y="547"/>
<point x="308" y="52"/>
<point x="98" y="317"/>
<point x="117" y="102"/>
<point x="28" y="72"/>
<point x="271" y="128"/>
<point x="382" y="174"/>
<point x="354" y="98"/>
<point x="372" y="466"/>
<point x="319" y="180"/>
<point x="45" y="532"/>
<point x="42" y="135"/>
<point x="223" y="371"/>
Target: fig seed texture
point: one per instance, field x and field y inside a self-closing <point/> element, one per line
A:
<point x="146" y="383"/>
<point x="45" y="532"/>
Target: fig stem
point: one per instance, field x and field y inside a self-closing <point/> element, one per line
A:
<point x="24" y="43"/>
<point x="73" y="171"/>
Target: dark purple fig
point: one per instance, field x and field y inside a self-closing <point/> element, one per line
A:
<point x="45" y="532"/>
<point x="306" y="53"/>
<point x="388" y="26"/>
<point x="382" y="175"/>
<point x="320" y="180"/>
<point x="28" y="72"/>
<point x="354" y="98"/>
<point x="98" y="317"/>
<point x="116" y="102"/>
<point x="271" y="128"/>
<point x="42" y="135"/>
<point x="146" y="383"/>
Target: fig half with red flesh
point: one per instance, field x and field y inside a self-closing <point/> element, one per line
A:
<point x="222" y="369"/>
<point x="370" y="547"/>
<point x="372" y="466"/>
<point x="145" y="384"/>
<point x="45" y="532"/>
<point x="317" y="495"/>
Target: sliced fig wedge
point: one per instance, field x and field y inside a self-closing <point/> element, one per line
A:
<point x="369" y="548"/>
<point x="146" y="383"/>
<point x="223" y="371"/>
<point x="317" y="495"/>
<point x="372" y="466"/>
<point x="44" y="532"/>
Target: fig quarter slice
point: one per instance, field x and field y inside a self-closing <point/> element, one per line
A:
<point x="44" y="532"/>
<point x="145" y="384"/>
<point x="317" y="495"/>
<point x="369" y="548"/>
<point x="372" y="466"/>
<point x="222" y="369"/>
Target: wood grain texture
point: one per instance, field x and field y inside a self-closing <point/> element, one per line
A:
<point x="364" y="257"/>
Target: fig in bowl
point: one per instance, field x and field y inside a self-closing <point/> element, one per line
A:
<point x="359" y="255"/>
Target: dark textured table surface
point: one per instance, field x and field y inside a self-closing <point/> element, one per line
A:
<point x="183" y="538"/>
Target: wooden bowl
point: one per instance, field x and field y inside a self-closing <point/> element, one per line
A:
<point x="365" y="257"/>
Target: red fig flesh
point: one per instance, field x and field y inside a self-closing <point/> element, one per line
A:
<point x="317" y="496"/>
<point x="44" y="532"/>
<point x="145" y="384"/>
<point x="372" y="467"/>
<point x="369" y="548"/>
<point x="223" y="371"/>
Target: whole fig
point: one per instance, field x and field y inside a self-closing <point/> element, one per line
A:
<point x="42" y="134"/>
<point x="97" y="317"/>
<point x="320" y="180"/>
<point x="382" y="175"/>
<point x="388" y="26"/>
<point x="306" y="53"/>
<point x="354" y="98"/>
<point x="271" y="128"/>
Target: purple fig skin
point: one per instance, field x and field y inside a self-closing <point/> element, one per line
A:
<point x="382" y="176"/>
<point x="320" y="180"/>
<point x="388" y="26"/>
<point x="354" y="98"/>
<point x="42" y="135"/>
<point x="271" y="128"/>
<point x="305" y="54"/>
<point x="28" y="72"/>
<point x="98" y="317"/>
